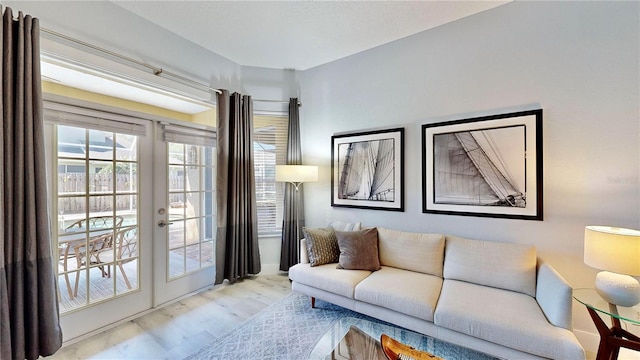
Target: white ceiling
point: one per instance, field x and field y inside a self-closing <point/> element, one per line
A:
<point x="298" y="34"/>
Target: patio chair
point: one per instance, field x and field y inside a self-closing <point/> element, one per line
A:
<point x="85" y="255"/>
<point x="96" y="222"/>
<point x="126" y="250"/>
<point x="81" y="250"/>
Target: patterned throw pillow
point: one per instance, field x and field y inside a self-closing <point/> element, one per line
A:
<point x="322" y="245"/>
<point x="358" y="250"/>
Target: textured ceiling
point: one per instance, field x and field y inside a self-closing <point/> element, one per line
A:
<point x="298" y="34"/>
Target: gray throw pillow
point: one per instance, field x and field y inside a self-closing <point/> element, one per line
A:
<point x="322" y="246"/>
<point x="358" y="250"/>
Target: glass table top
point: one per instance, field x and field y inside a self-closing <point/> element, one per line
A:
<point x="591" y="299"/>
<point x="329" y="345"/>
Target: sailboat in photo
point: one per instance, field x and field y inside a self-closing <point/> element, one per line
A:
<point x="367" y="171"/>
<point x="468" y="170"/>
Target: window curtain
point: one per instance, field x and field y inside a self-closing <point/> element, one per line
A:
<point x="293" y="200"/>
<point x="30" y="324"/>
<point x="237" y="253"/>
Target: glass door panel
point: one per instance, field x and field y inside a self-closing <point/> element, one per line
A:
<point x="187" y="208"/>
<point x="100" y="233"/>
<point x="97" y="199"/>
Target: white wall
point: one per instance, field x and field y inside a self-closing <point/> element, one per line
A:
<point x="578" y="61"/>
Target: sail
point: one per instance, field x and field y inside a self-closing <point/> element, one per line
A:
<point x="350" y="176"/>
<point x="367" y="171"/>
<point x="383" y="180"/>
<point x="465" y="174"/>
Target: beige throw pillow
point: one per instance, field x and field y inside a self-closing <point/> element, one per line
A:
<point x="358" y="250"/>
<point x="322" y="246"/>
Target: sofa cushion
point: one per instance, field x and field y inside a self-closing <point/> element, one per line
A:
<point x="501" y="265"/>
<point x="408" y="292"/>
<point x="322" y="245"/>
<point x="358" y="250"/>
<point x="328" y="278"/>
<point x="503" y="317"/>
<point x="411" y="251"/>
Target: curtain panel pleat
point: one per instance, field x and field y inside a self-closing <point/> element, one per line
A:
<point x="30" y="324"/>
<point x="237" y="252"/>
<point x="293" y="200"/>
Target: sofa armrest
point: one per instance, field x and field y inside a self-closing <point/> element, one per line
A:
<point x="554" y="295"/>
<point x="304" y="257"/>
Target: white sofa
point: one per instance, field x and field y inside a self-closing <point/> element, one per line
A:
<point x="497" y="298"/>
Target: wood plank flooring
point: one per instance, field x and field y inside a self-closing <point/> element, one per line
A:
<point x="179" y="329"/>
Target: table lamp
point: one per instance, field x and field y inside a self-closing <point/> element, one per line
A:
<point x="617" y="251"/>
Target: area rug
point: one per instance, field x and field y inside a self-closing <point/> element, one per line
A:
<point x="290" y="328"/>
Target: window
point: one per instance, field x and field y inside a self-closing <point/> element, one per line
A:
<point x="270" y="135"/>
<point x="97" y="205"/>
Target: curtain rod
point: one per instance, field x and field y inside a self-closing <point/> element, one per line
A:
<point x="276" y="101"/>
<point x="156" y="70"/>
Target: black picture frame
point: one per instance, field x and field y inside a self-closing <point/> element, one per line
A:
<point x="377" y="181"/>
<point x="488" y="166"/>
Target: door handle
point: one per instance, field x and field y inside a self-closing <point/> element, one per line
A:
<point x="163" y="223"/>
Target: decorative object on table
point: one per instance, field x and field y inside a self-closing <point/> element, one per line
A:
<point x="617" y="252"/>
<point x="359" y="346"/>
<point x="296" y="175"/>
<point x="488" y="166"/>
<point x="368" y="170"/>
<point x="395" y="350"/>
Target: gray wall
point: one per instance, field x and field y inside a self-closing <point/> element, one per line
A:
<point x="577" y="61"/>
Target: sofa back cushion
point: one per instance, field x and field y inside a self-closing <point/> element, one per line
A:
<point x="500" y="265"/>
<point x="345" y="226"/>
<point x="423" y="253"/>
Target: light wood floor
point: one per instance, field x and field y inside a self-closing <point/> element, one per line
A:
<point x="178" y="330"/>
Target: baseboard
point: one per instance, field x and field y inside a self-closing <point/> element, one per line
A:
<point x="589" y="342"/>
<point x="270" y="269"/>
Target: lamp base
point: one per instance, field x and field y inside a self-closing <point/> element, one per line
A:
<point x="618" y="289"/>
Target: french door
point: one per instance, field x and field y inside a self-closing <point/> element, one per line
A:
<point x="185" y="217"/>
<point x="135" y="214"/>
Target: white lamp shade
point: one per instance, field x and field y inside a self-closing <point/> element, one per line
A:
<point x="612" y="249"/>
<point x="296" y="173"/>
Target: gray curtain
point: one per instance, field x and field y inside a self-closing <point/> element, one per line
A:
<point x="29" y="320"/>
<point x="293" y="200"/>
<point x="237" y="253"/>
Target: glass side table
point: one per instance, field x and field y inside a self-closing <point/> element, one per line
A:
<point x="611" y="339"/>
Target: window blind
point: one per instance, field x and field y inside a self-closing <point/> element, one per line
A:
<point x="61" y="114"/>
<point x="188" y="135"/>
<point x="270" y="135"/>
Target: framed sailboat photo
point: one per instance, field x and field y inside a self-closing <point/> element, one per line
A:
<point x="487" y="166"/>
<point x="368" y="170"/>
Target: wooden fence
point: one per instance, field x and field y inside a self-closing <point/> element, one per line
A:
<point x="73" y="186"/>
